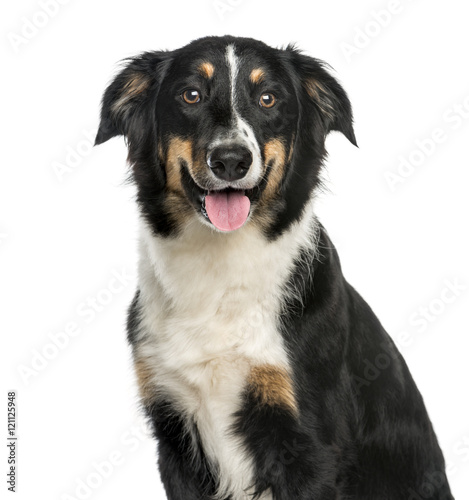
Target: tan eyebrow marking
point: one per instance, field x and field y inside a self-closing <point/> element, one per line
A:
<point x="206" y="69"/>
<point x="257" y="75"/>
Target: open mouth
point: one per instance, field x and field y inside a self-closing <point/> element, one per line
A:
<point x="227" y="209"/>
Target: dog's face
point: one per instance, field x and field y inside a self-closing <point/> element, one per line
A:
<point x="227" y="131"/>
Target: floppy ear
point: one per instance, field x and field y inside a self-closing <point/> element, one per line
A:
<point x="326" y="93"/>
<point x="126" y="103"/>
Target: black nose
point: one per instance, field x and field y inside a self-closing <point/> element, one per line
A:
<point x="230" y="163"/>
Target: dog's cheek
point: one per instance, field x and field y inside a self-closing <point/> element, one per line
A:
<point x="179" y="152"/>
<point x="275" y="157"/>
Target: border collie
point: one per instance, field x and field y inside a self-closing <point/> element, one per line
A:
<point x="264" y="374"/>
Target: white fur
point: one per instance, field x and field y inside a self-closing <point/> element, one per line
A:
<point x="210" y="306"/>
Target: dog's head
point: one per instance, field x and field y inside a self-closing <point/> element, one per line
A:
<point x="227" y="131"/>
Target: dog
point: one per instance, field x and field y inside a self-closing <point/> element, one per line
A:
<point x="251" y="351"/>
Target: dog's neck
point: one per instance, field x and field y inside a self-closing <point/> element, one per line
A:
<point x="201" y="259"/>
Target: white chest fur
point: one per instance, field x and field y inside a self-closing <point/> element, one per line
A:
<point x="210" y="308"/>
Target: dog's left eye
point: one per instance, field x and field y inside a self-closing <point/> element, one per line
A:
<point x="267" y="100"/>
<point x="191" y="96"/>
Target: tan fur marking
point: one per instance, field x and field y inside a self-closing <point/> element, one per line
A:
<point x="182" y="149"/>
<point x="137" y="84"/>
<point x="144" y="378"/>
<point x="198" y="167"/>
<point x="317" y="92"/>
<point x="292" y="144"/>
<point x="274" y="153"/>
<point x="178" y="149"/>
<point x="175" y="201"/>
<point x="313" y="88"/>
<point x="272" y="386"/>
<point x="263" y="217"/>
<point x="206" y="69"/>
<point x="160" y="152"/>
<point x="178" y="207"/>
<point x="257" y="75"/>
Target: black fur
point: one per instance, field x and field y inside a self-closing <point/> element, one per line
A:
<point x="362" y="432"/>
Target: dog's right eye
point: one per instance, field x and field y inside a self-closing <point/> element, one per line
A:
<point x="267" y="100"/>
<point x="191" y="96"/>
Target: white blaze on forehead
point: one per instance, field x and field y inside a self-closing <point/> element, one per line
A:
<point x="241" y="131"/>
<point x="233" y="62"/>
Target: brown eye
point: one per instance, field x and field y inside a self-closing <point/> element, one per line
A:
<point x="191" y="96"/>
<point x="267" y="100"/>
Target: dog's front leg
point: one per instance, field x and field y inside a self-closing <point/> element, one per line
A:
<point x="184" y="470"/>
<point x="290" y="463"/>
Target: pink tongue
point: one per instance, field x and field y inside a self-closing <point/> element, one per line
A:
<point x="227" y="210"/>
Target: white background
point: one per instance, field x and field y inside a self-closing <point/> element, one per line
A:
<point x="63" y="237"/>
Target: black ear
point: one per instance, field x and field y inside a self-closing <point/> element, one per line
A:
<point x="326" y="93"/>
<point x="127" y="100"/>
